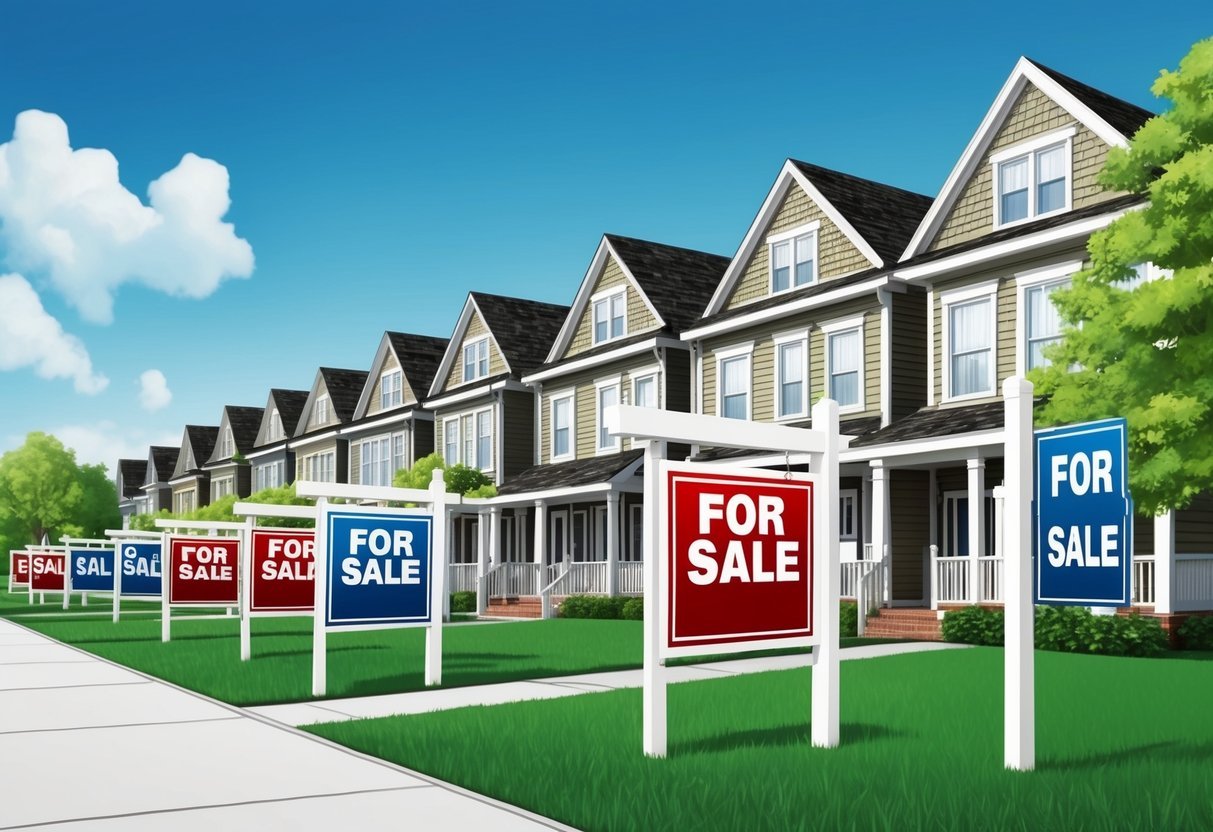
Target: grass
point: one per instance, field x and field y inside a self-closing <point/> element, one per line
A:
<point x="1121" y="744"/>
<point x="16" y="604"/>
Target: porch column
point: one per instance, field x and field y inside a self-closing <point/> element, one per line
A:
<point x="977" y="523"/>
<point x="541" y="527"/>
<point x="931" y="566"/>
<point x="880" y="526"/>
<point x="482" y="570"/>
<point x="494" y="547"/>
<point x="612" y="543"/>
<point x="1164" y="561"/>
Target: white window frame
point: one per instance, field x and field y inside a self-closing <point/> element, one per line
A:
<point x="600" y="385"/>
<point x="571" y="397"/>
<point x="811" y="228"/>
<point x="373" y="463"/>
<point x="987" y="289"/>
<point x="1057" y="273"/>
<point x="476" y="343"/>
<point x="396" y="392"/>
<point x="851" y="494"/>
<point x="642" y="374"/>
<point x="606" y="299"/>
<point x="227" y="445"/>
<point x="635" y="553"/>
<point x="276" y="432"/>
<point x="800" y="336"/>
<point x="745" y="351"/>
<point x="477" y="436"/>
<point x="447" y="422"/>
<point x="222" y="487"/>
<point x="322" y="410"/>
<point x="836" y="328"/>
<point x="1029" y="150"/>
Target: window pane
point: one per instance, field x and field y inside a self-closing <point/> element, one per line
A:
<point x="617" y="308"/>
<point x="1013" y="190"/>
<point x="806" y="250"/>
<point x="781" y="255"/>
<point x="560" y="421"/>
<point x="484" y="439"/>
<point x="600" y="321"/>
<point x="791" y="378"/>
<point x="1051" y="196"/>
<point x="971" y="325"/>
<point x="483" y="357"/>
<point x="1051" y="179"/>
<point x="469" y="440"/>
<point x="607" y="396"/>
<point x="735" y="387"/>
<point x="451" y="441"/>
<point x="844" y="351"/>
<point x="646" y="391"/>
<point x="971" y="373"/>
<point x="844" y="388"/>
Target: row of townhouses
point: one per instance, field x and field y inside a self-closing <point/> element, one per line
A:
<point x="908" y="310"/>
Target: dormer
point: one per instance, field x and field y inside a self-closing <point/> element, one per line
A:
<point x="238" y="427"/>
<point x="331" y="401"/>
<point x="197" y="444"/>
<point x="280" y="416"/>
<point x="403" y="365"/>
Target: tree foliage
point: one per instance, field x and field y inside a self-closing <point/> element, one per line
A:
<point x="1146" y="353"/>
<point x="221" y="510"/>
<point x="459" y="479"/>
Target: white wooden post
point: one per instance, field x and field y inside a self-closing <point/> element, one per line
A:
<point x="246" y="575"/>
<point x="824" y="719"/>
<point x="117" y="581"/>
<point x="541" y="536"/>
<point x="977" y="523"/>
<point x="932" y="565"/>
<point x="612" y="543"/>
<point x="166" y="572"/>
<point x="1019" y="700"/>
<point x="880" y="516"/>
<point x="494" y="547"/>
<point x="438" y="549"/>
<point x="1164" y="562"/>
<point x="319" y="633"/>
<point x="654" y="721"/>
<point x="67" y="578"/>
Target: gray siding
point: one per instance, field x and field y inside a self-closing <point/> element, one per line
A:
<point x="908" y="364"/>
<point x="423" y="439"/>
<point x="518" y="422"/>
<point x="678" y="380"/>
<point x="1194" y="527"/>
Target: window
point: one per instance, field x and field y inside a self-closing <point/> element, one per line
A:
<point x="1043" y="322"/>
<point x="322" y="410"/>
<point x="847" y="501"/>
<point x="733" y="372"/>
<point x="1142" y="273"/>
<point x="320" y="467"/>
<point x="484" y="440"/>
<point x="269" y="475"/>
<point x="476" y="359"/>
<point x="469" y="438"/>
<point x="227" y="445"/>
<point x="608" y="396"/>
<point x="221" y="488"/>
<point x="636" y="543"/>
<point x="1032" y="180"/>
<point x="390" y="386"/>
<point x="644" y="390"/>
<point x="375" y="456"/>
<point x="562" y="426"/>
<point x="398" y="461"/>
<point x="791" y="368"/>
<point x="968" y="336"/>
<point x="185" y="501"/>
<point x="793" y="258"/>
<point x="844" y="363"/>
<point x="450" y="440"/>
<point x="275" y="426"/>
<point x="609" y="316"/>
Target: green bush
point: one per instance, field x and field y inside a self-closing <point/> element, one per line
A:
<point x="848" y="619"/>
<point x="1197" y="633"/>
<point x="592" y="606"/>
<point x="1063" y="630"/>
<point x="633" y="609"/>
<point x="464" y="601"/>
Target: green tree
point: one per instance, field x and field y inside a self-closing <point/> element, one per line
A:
<point x="1146" y="353"/>
<point x="98" y="509"/>
<point x="40" y="487"/>
<point x="459" y="479"/>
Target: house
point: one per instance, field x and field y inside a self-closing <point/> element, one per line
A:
<point x="159" y="468"/>
<point x="390" y="430"/>
<point x="577" y="508"/>
<point x="129" y="484"/>
<point x="228" y="465"/>
<point x="484" y="416"/>
<point x="190" y="482"/>
<point x="272" y="459"/>
<point x="321" y="453"/>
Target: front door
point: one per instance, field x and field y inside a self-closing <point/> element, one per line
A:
<point x="558" y="547"/>
<point x="579" y="544"/>
<point x="955" y="542"/>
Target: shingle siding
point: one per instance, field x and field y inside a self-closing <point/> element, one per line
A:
<point x="375" y="403"/>
<point x="639" y="317"/>
<point x="476" y="329"/>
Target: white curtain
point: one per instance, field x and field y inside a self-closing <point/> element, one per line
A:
<point x="971" y="336"/>
<point x="791" y="378"/>
<point x="844" y="367"/>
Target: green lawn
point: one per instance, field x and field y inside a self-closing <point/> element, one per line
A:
<point x="16" y="604"/>
<point x="1122" y="744"/>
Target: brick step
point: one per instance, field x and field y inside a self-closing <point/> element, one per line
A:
<point x="520" y="607"/>
<point x="916" y="624"/>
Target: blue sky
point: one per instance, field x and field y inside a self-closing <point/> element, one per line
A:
<point x="386" y="158"/>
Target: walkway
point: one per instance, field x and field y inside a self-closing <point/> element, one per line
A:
<point x="336" y="710"/>
<point x="88" y="745"/>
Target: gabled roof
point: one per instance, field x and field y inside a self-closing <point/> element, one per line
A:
<point x="877" y="219"/>
<point x="419" y="357"/>
<point x="290" y="407"/>
<point x="675" y="283"/>
<point x="571" y="474"/>
<point x="244" y="423"/>
<point x="343" y="388"/>
<point x="130" y="476"/>
<point x="1111" y="119"/>
<point x="161" y="461"/>
<point x="523" y="331"/>
<point x="201" y="442"/>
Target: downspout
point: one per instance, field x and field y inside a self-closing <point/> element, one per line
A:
<point x="499" y="449"/>
<point x="538" y="421"/>
<point x="886" y="355"/>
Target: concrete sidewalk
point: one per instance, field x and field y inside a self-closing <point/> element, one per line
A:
<point x="337" y="710"/>
<point x="88" y="745"/>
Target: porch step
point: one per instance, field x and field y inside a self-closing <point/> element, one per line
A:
<point x="915" y="624"/>
<point x="525" y="606"/>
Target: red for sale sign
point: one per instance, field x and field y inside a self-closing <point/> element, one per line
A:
<point x="18" y="563"/>
<point x="283" y="568"/>
<point x="46" y="571"/>
<point x="737" y="566"/>
<point x="204" y="570"/>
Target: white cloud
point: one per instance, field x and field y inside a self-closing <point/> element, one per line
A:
<point x="65" y="215"/>
<point x="30" y="337"/>
<point x="105" y="442"/>
<point x="153" y="390"/>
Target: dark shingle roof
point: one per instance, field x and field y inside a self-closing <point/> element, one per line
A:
<point x="290" y="407"/>
<point x="165" y="460"/>
<point x="244" y="422"/>
<point x="523" y="329"/>
<point x="132" y="472"/>
<point x="202" y="441"/>
<point x="1122" y="115"/>
<point x="344" y="389"/>
<point x="784" y="298"/>
<point x="419" y="357"/>
<point x="679" y="282"/>
<point x="570" y="474"/>
<point x="886" y="217"/>
<point x="930" y="422"/>
<point x="860" y="426"/>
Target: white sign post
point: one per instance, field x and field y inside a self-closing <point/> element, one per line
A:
<point x="1019" y="671"/>
<point x="211" y="529"/>
<point x="126" y="536"/>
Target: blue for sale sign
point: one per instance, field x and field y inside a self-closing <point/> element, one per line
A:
<point x="140" y="568"/>
<point x="378" y="568"/>
<point x="1084" y="515"/>
<point x="92" y="570"/>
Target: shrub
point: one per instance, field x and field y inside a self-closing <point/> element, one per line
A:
<point x="848" y="623"/>
<point x="633" y="609"/>
<point x="973" y="625"/>
<point x="592" y="606"/>
<point x="1063" y="630"/>
<point x="1197" y="633"/>
<point x="463" y="601"/>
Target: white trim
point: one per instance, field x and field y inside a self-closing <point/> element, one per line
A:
<point x="886" y="357"/>
<point x="364" y="398"/>
<point x="396" y="416"/>
<point x="1030" y="156"/>
<point x="967" y="294"/>
<point x="746" y="351"/>
<point x="1033" y="144"/>
<point x="470" y="343"/>
<point x="836" y="327"/>
<point x="574" y="365"/>
<point x="569" y="394"/>
<point x="652" y="371"/>
<point x="306" y="441"/>
<point x="475" y="393"/>
<point x="1045" y="275"/>
<point x="607" y="298"/>
<point x="600" y="385"/>
<point x="399" y="371"/>
<point x="779" y="340"/>
<point x="791" y="235"/>
<point x="1025" y="72"/>
<point x="454" y="347"/>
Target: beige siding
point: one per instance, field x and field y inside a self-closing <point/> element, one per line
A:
<point x="390" y="362"/>
<point x="355" y="461"/>
<point x="475" y="330"/>
<point x="763" y="362"/>
<point x="312" y="422"/>
<point x="471" y="408"/>
<point x="518" y="425"/>
<point x="1032" y="115"/>
<point x="639" y="317"/>
<point x="908" y="332"/>
<point x="836" y="254"/>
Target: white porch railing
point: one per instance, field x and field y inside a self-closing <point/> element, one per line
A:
<point x="461" y="577"/>
<point x="512" y="579"/>
<point x="951" y="579"/>
<point x="989" y="579"/>
<point x="1143" y="580"/>
<point x="631" y="577"/>
<point x="1193" y="583"/>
